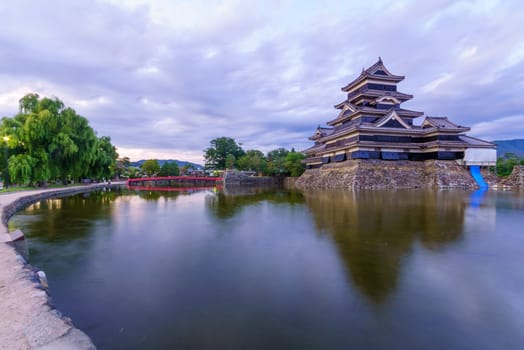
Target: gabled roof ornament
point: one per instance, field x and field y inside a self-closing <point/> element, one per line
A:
<point x="379" y="59"/>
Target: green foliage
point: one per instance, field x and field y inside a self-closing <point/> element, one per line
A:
<point x="252" y="160"/>
<point x="48" y="141"/>
<point x="293" y="163"/>
<point x="506" y="163"/>
<point x="122" y="167"/>
<point x="230" y="161"/>
<point x="28" y="103"/>
<point x="225" y="153"/>
<point x="277" y="162"/>
<point x="169" y="169"/>
<point x="105" y="156"/>
<point x="151" y="167"/>
<point x="132" y="172"/>
<point x="219" y="150"/>
<point x="20" y="167"/>
<point x="185" y="169"/>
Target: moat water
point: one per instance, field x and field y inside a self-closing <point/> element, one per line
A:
<point x="285" y="270"/>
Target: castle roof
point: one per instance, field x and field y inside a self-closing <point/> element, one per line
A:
<point x="392" y="115"/>
<point x="321" y="132"/>
<point x="442" y="123"/>
<point x="347" y="114"/>
<point x="377" y="71"/>
<point x="377" y="94"/>
<point x="472" y="141"/>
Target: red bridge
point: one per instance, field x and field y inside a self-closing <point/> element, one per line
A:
<point x="175" y="181"/>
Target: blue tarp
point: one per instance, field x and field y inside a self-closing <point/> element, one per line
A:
<point x="475" y="172"/>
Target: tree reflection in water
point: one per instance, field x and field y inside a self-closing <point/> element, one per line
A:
<point x="375" y="230"/>
<point x="227" y="204"/>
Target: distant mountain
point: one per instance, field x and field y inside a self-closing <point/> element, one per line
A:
<point x="510" y="146"/>
<point x="180" y="163"/>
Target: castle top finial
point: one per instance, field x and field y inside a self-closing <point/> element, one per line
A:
<point x="380" y="59"/>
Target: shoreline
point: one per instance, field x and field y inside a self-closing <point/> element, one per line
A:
<point x="29" y="321"/>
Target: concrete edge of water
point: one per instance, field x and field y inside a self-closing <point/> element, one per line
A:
<point x="29" y="321"/>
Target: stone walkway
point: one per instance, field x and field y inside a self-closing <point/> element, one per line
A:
<point x="26" y="319"/>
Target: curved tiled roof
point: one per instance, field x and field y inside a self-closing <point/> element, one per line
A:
<point x="376" y="71"/>
<point x="442" y="123"/>
<point x="472" y="141"/>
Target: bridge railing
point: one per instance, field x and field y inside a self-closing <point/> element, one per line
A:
<point x="175" y="178"/>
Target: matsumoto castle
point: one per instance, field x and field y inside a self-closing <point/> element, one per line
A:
<point x="372" y="124"/>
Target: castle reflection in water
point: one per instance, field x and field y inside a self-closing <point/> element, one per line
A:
<point x="373" y="231"/>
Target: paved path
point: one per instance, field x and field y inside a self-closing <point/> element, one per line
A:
<point x="26" y="319"/>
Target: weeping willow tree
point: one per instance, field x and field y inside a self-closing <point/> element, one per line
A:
<point x="20" y="168"/>
<point x="48" y="141"/>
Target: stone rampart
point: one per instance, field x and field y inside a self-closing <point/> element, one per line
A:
<point x="289" y="182"/>
<point x="380" y="174"/>
<point x="516" y="180"/>
<point x="237" y="178"/>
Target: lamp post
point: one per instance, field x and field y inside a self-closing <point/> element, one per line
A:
<point x="6" y="172"/>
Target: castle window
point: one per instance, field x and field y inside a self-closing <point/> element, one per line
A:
<point x="339" y="157"/>
<point x="383" y="87"/>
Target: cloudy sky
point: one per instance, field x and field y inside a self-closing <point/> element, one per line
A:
<point x="162" y="78"/>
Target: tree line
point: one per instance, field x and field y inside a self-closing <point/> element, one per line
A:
<point x="226" y="153"/>
<point x="150" y="167"/>
<point x="506" y="163"/>
<point x="47" y="141"/>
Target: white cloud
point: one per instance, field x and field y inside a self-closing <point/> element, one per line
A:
<point x="435" y="84"/>
<point x="468" y="52"/>
<point x="136" y="154"/>
<point x="171" y="75"/>
<point x="97" y="101"/>
<point x="500" y="128"/>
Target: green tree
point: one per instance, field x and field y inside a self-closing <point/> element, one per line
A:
<point x="74" y="144"/>
<point x="252" y="160"/>
<point x="506" y="163"/>
<point x="185" y="169"/>
<point x="105" y="156"/>
<point x="20" y="167"/>
<point x="276" y="161"/>
<point x="294" y="165"/>
<point x="169" y="169"/>
<point x="151" y="167"/>
<point x="133" y="172"/>
<point x="230" y="161"/>
<point x="122" y="166"/>
<point x="28" y="103"/>
<point x="53" y="140"/>
<point x="219" y="150"/>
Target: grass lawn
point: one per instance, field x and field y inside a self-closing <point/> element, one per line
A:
<point x="27" y="188"/>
